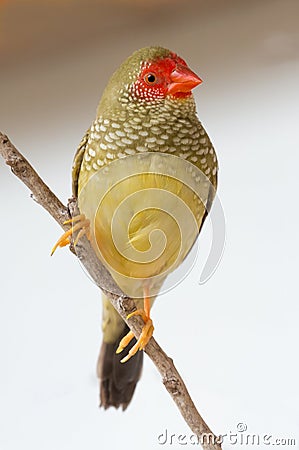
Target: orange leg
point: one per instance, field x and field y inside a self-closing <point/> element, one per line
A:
<point x="146" y="333"/>
<point x="82" y="226"/>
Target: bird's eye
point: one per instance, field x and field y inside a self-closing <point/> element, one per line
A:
<point x="150" y="78"/>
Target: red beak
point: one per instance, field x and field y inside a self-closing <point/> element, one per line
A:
<point x="182" y="80"/>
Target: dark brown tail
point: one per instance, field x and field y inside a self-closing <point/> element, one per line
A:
<point x="118" y="380"/>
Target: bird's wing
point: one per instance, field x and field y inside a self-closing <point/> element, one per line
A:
<point x="211" y="196"/>
<point x="78" y="161"/>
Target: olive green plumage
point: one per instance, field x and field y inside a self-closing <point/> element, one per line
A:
<point x="127" y="123"/>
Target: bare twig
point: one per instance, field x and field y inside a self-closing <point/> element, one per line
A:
<point x="102" y="278"/>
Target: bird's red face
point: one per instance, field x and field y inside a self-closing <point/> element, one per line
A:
<point x="166" y="77"/>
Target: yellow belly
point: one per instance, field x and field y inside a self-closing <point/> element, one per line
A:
<point x="145" y="215"/>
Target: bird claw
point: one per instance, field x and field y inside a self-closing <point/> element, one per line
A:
<point x="146" y="334"/>
<point x="82" y="225"/>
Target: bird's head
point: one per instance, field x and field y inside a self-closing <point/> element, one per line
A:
<point x="148" y="77"/>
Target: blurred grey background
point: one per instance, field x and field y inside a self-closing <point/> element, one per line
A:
<point x="234" y="339"/>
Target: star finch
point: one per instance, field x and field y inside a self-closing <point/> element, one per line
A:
<point x="147" y="135"/>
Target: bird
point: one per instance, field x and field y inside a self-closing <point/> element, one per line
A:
<point x="145" y="175"/>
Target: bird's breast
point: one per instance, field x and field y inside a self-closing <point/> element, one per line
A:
<point x="145" y="211"/>
<point x="123" y="135"/>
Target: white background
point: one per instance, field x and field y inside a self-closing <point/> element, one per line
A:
<point x="234" y="339"/>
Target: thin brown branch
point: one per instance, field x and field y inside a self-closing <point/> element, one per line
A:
<point x="102" y="278"/>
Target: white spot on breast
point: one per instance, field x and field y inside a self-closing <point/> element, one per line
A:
<point x="194" y="159"/>
<point x="120" y="133"/>
<point x="137" y="119"/>
<point x="108" y="138"/>
<point x="87" y="157"/>
<point x="136" y="127"/>
<point x="133" y="136"/>
<point x="110" y="155"/>
<point x="130" y="151"/>
<point x="214" y="171"/>
<point x="126" y="141"/>
<point x="112" y="146"/>
<point x="164" y="136"/>
<point x="113" y="135"/>
<point x="140" y="148"/>
<point x="156" y="130"/>
<point x="150" y="139"/>
<point x="95" y="166"/>
<point x="106" y="122"/>
<point x="103" y="146"/>
<point x="203" y="160"/>
<point x="102" y="128"/>
<point x="143" y="133"/>
<point x="100" y="162"/>
<point x="128" y="129"/>
<point x="207" y="171"/>
<point x="195" y="147"/>
<point x="184" y="155"/>
<point x="192" y="130"/>
<point x="92" y="152"/>
<point x="115" y="125"/>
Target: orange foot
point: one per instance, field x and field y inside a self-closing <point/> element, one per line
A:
<point x="82" y="225"/>
<point x="146" y="333"/>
